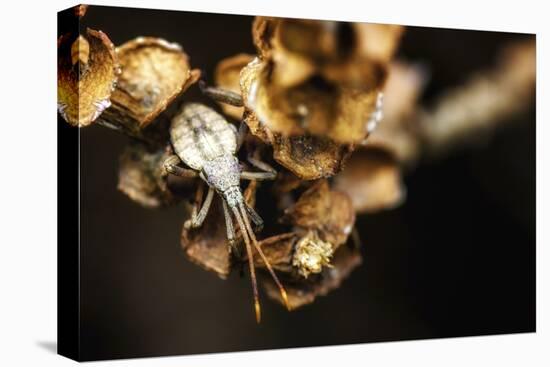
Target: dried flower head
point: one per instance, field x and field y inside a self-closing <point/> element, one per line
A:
<point x="153" y="73"/>
<point x="86" y="75"/>
<point x="314" y="91"/>
<point x="311" y="254"/>
<point x="322" y="220"/>
<point x="317" y="77"/>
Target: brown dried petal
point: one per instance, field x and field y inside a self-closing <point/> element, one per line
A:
<point x="227" y="75"/>
<point x="396" y="132"/>
<point x="207" y="245"/>
<point x="328" y="212"/>
<point x="278" y="250"/>
<point x="305" y="291"/>
<point x="142" y="177"/>
<point x="85" y="85"/>
<point x="377" y="42"/>
<point x="372" y="179"/>
<point x="154" y="73"/>
<point x="80" y="10"/>
<point x="310" y="157"/>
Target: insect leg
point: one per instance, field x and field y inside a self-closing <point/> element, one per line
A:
<point x="229" y="227"/>
<point x="171" y="166"/>
<point x="241" y="134"/>
<point x="257" y="176"/>
<point x="255" y="217"/>
<point x="197" y="219"/>
<point x="268" y="173"/>
<point x="222" y="95"/>
<point x="261" y="165"/>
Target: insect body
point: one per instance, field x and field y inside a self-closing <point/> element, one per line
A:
<point x="207" y="143"/>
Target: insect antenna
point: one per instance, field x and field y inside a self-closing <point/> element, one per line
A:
<point x="250" y="263"/>
<point x="264" y="258"/>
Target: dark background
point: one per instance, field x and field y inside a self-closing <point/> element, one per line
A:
<point x="457" y="259"/>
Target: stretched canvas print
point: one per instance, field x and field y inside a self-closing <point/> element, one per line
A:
<point x="233" y="183"/>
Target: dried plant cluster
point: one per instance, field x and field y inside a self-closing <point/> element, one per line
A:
<point x="313" y="97"/>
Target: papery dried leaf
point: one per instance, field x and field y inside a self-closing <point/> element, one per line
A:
<point x="372" y="180"/>
<point x="286" y="182"/>
<point x="80" y="10"/>
<point x="154" y="73"/>
<point x="377" y="42"/>
<point x="142" y="177"/>
<point x="396" y="133"/>
<point x="207" y="245"/>
<point x="86" y="73"/>
<point x="326" y="211"/>
<point x="227" y="76"/>
<point x="305" y="291"/>
<point x="278" y="251"/>
<point x="269" y="35"/>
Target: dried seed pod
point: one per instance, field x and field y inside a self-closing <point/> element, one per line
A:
<point x="86" y="74"/>
<point x="304" y="291"/>
<point x="372" y="180"/>
<point x="321" y="221"/>
<point x="207" y="245"/>
<point x="307" y="156"/>
<point x="142" y="176"/>
<point x="328" y="212"/>
<point x="341" y="52"/>
<point x="153" y="73"/>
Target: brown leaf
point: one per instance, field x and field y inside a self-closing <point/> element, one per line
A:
<point x="310" y="157"/>
<point x="372" y="180"/>
<point x="207" y="245"/>
<point x="86" y="73"/>
<point x="154" y="73"/>
<point x="142" y="177"/>
<point x="305" y="291"/>
<point x="278" y="251"/>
